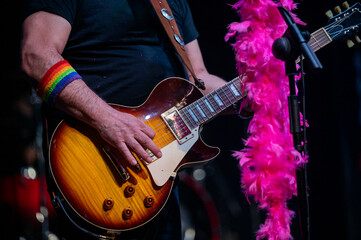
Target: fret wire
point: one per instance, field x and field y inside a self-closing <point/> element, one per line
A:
<point x="224" y="100"/>
<point x="229" y="94"/>
<point x="320" y="42"/>
<point x="223" y="97"/>
<point x="193" y="108"/>
<point x="237" y="83"/>
<point x="193" y="123"/>
<point x="233" y="96"/>
<point x="209" y="103"/>
<point x="209" y="107"/>
<point x="213" y="103"/>
<point x="197" y="113"/>
<point x="323" y="43"/>
<point x="216" y="95"/>
<point x="205" y="109"/>
<point x="193" y="114"/>
<point x="321" y="33"/>
<point x="315" y="40"/>
<point x="187" y="118"/>
<point x="326" y="36"/>
<point x="238" y="89"/>
<point x="200" y="110"/>
<point x="229" y="86"/>
<point x="318" y="32"/>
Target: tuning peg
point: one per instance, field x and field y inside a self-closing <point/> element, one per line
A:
<point x="345" y="5"/>
<point x="337" y="9"/>
<point x="357" y="38"/>
<point x="350" y="43"/>
<point x="329" y="14"/>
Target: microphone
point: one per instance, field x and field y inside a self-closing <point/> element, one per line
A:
<point x="294" y="41"/>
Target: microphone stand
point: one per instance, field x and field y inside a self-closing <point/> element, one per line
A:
<point x="289" y="48"/>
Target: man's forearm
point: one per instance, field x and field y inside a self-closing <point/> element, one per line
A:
<point x="81" y="102"/>
<point x="76" y="98"/>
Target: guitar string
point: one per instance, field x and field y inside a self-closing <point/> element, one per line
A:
<point x="323" y="40"/>
<point x="164" y="135"/>
<point x="330" y="27"/>
<point x="338" y="23"/>
<point x="319" y="40"/>
<point x="191" y="106"/>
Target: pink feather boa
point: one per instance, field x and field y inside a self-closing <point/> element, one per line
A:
<point x="269" y="160"/>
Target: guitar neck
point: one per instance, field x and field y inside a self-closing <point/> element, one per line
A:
<point x="215" y="102"/>
<point x="319" y="39"/>
<point x="212" y="104"/>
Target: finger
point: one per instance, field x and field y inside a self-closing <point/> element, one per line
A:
<point x="140" y="151"/>
<point x="147" y="143"/>
<point x="148" y="131"/>
<point x="127" y="154"/>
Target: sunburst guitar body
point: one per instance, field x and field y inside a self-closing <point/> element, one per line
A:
<point x="97" y="183"/>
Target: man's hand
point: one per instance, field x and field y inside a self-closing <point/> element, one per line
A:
<point x="127" y="133"/>
<point x="45" y="36"/>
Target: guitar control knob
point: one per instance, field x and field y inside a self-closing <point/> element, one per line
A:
<point x="337" y="9"/>
<point x="329" y="14"/>
<point x="148" y="201"/>
<point x="129" y="191"/>
<point x="345" y="5"/>
<point x="357" y="38"/>
<point x="108" y="204"/>
<point x="127" y="213"/>
<point x="350" y="43"/>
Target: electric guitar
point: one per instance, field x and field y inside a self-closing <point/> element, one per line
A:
<point x="104" y="192"/>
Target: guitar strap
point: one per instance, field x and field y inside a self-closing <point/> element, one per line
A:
<point x="169" y="24"/>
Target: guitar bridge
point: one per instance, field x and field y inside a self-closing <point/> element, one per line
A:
<point x="121" y="170"/>
<point x="177" y="125"/>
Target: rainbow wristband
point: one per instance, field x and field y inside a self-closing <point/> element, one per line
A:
<point x="55" y="80"/>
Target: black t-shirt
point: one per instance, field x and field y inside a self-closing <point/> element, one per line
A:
<point x="119" y="46"/>
<point x="121" y="51"/>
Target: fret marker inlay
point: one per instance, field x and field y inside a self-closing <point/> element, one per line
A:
<point x="208" y="105"/>
<point x="193" y="116"/>
<point x="219" y="102"/>
<point x="200" y="111"/>
<point x="234" y="90"/>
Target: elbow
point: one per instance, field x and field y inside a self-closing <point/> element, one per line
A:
<point x="36" y="60"/>
<point x="28" y="58"/>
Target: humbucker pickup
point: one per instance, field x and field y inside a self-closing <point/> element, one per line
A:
<point x="177" y="125"/>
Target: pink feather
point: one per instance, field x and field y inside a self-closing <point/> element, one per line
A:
<point x="269" y="160"/>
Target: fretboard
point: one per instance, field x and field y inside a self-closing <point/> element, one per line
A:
<point x="212" y="104"/>
<point x="215" y="102"/>
<point x="319" y="39"/>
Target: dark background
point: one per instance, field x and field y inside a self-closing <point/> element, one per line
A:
<point x="214" y="206"/>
